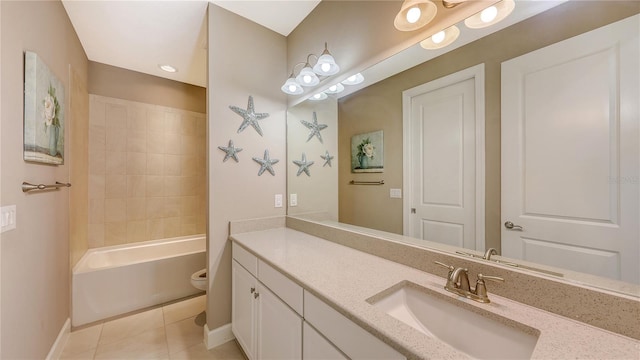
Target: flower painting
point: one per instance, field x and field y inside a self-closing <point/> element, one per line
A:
<point x="367" y="152"/>
<point x="43" y="113"/>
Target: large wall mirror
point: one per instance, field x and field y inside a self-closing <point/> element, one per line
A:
<point x="523" y="138"/>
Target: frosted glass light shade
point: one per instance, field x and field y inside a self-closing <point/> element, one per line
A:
<point x="406" y="20"/>
<point x="504" y="8"/>
<point x="450" y="35"/>
<point x="354" y="79"/>
<point x="335" y="89"/>
<point x="326" y="65"/>
<point x="292" y="87"/>
<point x="307" y="77"/>
<point x="318" y="96"/>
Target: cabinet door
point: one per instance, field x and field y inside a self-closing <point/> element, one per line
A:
<point x="279" y="328"/>
<point x="316" y="347"/>
<point x="243" y="311"/>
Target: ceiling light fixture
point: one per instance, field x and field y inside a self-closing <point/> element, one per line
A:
<point x="167" y="68"/>
<point x="319" y="96"/>
<point x="441" y="39"/>
<point x="354" y="79"/>
<point x="491" y="15"/>
<point x="325" y="66"/>
<point x="451" y="3"/>
<point x="335" y="89"/>
<point x="415" y="14"/>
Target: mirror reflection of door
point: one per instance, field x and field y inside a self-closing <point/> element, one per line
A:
<point x="570" y="154"/>
<point x="444" y="138"/>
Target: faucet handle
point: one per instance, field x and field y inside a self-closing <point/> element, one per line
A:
<point x="481" y="288"/>
<point x="451" y="268"/>
<point x="492" y="278"/>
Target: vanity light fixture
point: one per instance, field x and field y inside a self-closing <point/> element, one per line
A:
<point x="325" y="66"/>
<point x="318" y="96"/>
<point x="335" y="89"/>
<point x="415" y="14"/>
<point x="448" y="4"/>
<point x="441" y="39"/>
<point x="491" y="15"/>
<point x="354" y="79"/>
<point x="167" y="68"/>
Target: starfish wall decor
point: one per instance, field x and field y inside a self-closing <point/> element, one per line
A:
<point x="327" y="158"/>
<point x="303" y="165"/>
<point x="231" y="150"/>
<point x="314" y="127"/>
<point x="266" y="163"/>
<point x="249" y="116"/>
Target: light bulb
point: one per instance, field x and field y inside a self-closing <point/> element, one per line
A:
<point x="317" y="96"/>
<point x="438" y="37"/>
<point x="292" y="88"/>
<point x="325" y="67"/>
<point x="413" y="15"/>
<point x="306" y="79"/>
<point x="352" y="78"/>
<point x="333" y="88"/>
<point x="488" y="14"/>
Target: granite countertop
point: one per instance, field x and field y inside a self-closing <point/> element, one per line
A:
<point x="345" y="278"/>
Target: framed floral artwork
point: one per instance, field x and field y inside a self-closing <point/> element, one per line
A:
<point x="44" y="113"/>
<point x="367" y="152"/>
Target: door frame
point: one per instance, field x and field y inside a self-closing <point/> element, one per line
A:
<point x="477" y="73"/>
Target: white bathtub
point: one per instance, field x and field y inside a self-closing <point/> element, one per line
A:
<point x="115" y="280"/>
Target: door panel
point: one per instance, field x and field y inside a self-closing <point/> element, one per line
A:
<point x="570" y="143"/>
<point x="243" y="308"/>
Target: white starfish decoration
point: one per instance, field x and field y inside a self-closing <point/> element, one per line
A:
<point x="303" y="165"/>
<point x="314" y="127"/>
<point x="232" y="151"/>
<point x="327" y="158"/>
<point x="250" y="116"/>
<point x="266" y="163"/>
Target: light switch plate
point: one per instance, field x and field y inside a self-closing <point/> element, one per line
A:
<point x="293" y="200"/>
<point x="278" y="201"/>
<point x="8" y="218"/>
<point x="395" y="193"/>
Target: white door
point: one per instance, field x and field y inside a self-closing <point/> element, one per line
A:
<point x="444" y="160"/>
<point x="279" y="328"/>
<point x="570" y="154"/>
<point x="243" y="309"/>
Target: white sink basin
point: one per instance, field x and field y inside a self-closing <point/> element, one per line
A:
<point x="478" y="333"/>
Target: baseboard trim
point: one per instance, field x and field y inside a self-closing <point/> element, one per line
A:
<point x="61" y="341"/>
<point x="218" y="336"/>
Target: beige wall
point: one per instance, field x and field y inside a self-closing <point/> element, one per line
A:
<point x="146" y="172"/>
<point x="380" y="105"/>
<point x="35" y="256"/>
<point x="115" y="82"/>
<point x="244" y="59"/>
<point x="312" y="190"/>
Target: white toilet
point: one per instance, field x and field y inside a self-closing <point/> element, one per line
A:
<point x="199" y="279"/>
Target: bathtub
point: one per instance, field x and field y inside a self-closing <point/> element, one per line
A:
<point x="119" y="279"/>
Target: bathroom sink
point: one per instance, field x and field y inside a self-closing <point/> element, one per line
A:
<point x="478" y="333"/>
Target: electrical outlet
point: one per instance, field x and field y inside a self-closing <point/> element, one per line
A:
<point x="293" y="200"/>
<point x="278" y="201"/>
<point x="395" y="193"/>
<point x="8" y="218"/>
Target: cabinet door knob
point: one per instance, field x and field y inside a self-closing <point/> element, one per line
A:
<point x="255" y="295"/>
<point x="253" y="289"/>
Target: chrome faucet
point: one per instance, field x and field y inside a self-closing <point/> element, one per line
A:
<point x="458" y="283"/>
<point x="489" y="252"/>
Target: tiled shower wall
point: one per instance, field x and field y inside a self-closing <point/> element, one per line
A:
<point x="146" y="172"/>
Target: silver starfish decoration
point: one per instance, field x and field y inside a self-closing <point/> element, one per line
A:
<point x="303" y="165"/>
<point x="327" y="158"/>
<point x="266" y="163"/>
<point x="250" y="116"/>
<point x="232" y="151"/>
<point x="314" y="127"/>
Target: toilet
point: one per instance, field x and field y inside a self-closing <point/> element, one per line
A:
<point x="199" y="279"/>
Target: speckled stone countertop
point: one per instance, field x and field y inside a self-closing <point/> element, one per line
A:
<point x="345" y="278"/>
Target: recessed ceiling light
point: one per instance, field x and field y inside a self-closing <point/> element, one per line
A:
<point x="168" y="68"/>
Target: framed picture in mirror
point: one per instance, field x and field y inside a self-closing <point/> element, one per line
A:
<point x="367" y="152"/>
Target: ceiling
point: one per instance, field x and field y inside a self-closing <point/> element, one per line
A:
<point x="143" y="34"/>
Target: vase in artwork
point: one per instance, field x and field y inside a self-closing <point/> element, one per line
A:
<point x="364" y="162"/>
<point x="54" y="133"/>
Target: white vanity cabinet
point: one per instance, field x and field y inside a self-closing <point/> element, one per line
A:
<point x="265" y="326"/>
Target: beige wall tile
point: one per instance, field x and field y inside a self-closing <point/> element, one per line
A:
<point x="115" y="186"/>
<point x="188" y="125"/>
<point x="189" y="165"/>
<point x="171" y="227"/>
<point x="115" y="210"/>
<point x="155" y="186"/>
<point x="155" y="143"/>
<point x="97" y="138"/>
<point x="136" y="186"/>
<point x="115" y="116"/>
<point x="172" y="144"/>
<point x="189" y="145"/>
<point x="136" y="141"/>
<point x="201" y="127"/>
<point x="155" y="164"/>
<point x="172" y="165"/>
<point x="97" y="162"/>
<point x="172" y="123"/>
<point x="172" y="185"/>
<point x="96" y="211"/>
<point x="155" y="229"/>
<point x="116" y="163"/>
<point x="155" y="208"/>
<point x="96" y="186"/>
<point x="188" y="229"/>
<point x="96" y="235"/>
<point x="115" y="233"/>
<point x="189" y="205"/>
<point x="155" y="121"/>
<point x="172" y="206"/>
<point x="191" y="185"/>
<point x="136" y="231"/>
<point x="96" y="112"/>
<point x="136" y="163"/>
<point x="137" y="119"/>
<point x="116" y="139"/>
<point x="136" y="209"/>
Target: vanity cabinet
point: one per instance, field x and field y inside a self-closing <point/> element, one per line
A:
<point x="265" y="326"/>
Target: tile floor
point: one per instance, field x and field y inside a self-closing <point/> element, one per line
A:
<point x="174" y="331"/>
